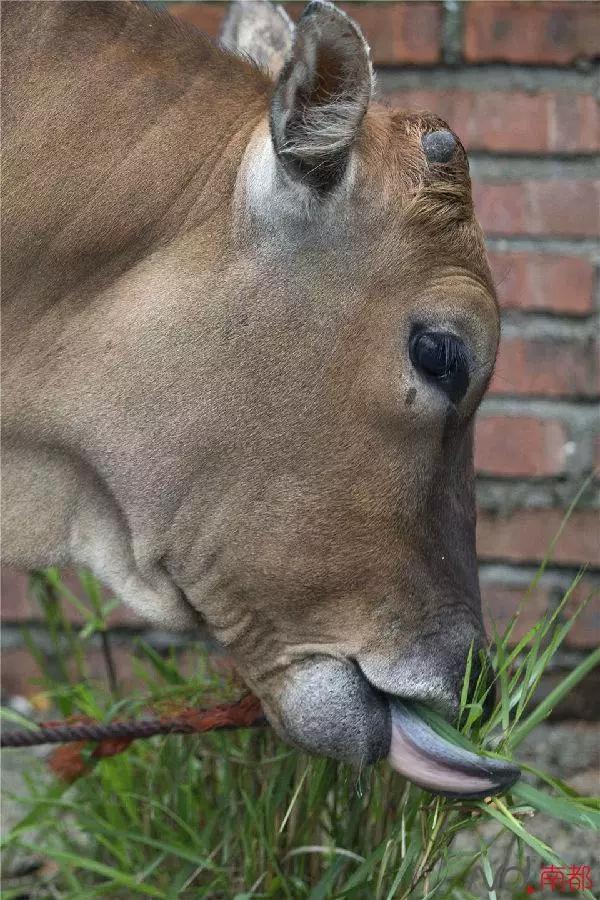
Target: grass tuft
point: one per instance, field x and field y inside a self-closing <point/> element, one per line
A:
<point x="240" y="815"/>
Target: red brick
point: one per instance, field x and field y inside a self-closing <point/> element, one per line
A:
<point x="21" y="675"/>
<point x="19" y="672"/>
<point x="574" y="123"/>
<point x="545" y="367"/>
<point x="585" y="633"/>
<point x="400" y="32"/>
<point x="557" y="207"/>
<point x="397" y="32"/>
<point x="525" y="536"/>
<point x="501" y="601"/>
<point x="537" y="281"/>
<point x="206" y="16"/>
<point x="531" y="32"/>
<point x="18" y="606"/>
<point x="583" y="702"/>
<point x="123" y="656"/>
<point x="519" y="446"/>
<point x="513" y="121"/>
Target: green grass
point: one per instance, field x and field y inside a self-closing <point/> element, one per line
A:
<point x="240" y="815"/>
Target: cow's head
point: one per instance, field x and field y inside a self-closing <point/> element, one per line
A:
<point x="354" y="329"/>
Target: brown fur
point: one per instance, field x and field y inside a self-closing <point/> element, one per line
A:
<point x="207" y="395"/>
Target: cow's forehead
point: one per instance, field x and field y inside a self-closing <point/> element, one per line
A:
<point x="422" y="206"/>
<point x="398" y="145"/>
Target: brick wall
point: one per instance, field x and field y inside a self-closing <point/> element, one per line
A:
<point x="518" y="82"/>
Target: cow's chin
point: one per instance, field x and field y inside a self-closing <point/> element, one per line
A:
<point x="326" y="706"/>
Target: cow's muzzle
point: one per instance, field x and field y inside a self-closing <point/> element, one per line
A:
<point x="327" y="706"/>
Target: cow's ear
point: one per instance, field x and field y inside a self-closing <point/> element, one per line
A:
<point x="261" y="30"/>
<point x="321" y="97"/>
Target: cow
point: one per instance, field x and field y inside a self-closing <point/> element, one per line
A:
<point x="247" y="322"/>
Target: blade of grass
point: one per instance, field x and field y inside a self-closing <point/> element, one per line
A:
<point x="162" y="666"/>
<point x="464" y="694"/>
<point x="9" y="715"/>
<point x="92" y="865"/>
<point x="557" y="536"/>
<point x="555" y="696"/>
<point x="566" y="810"/>
<point x="497" y="810"/>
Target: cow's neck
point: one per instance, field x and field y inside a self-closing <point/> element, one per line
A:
<point x="144" y="123"/>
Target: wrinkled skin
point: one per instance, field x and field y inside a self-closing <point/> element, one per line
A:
<point x="209" y="397"/>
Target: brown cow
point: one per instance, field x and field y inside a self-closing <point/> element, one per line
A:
<point x="247" y="325"/>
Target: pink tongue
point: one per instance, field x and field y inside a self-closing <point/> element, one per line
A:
<point x="432" y="762"/>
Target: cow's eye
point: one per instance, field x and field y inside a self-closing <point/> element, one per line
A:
<point x="442" y="358"/>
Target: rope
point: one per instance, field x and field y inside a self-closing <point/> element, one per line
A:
<point x="137" y="728"/>
<point x="114" y="737"/>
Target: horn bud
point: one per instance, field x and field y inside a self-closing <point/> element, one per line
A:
<point x="439" y="146"/>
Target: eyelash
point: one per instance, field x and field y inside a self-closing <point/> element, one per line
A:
<point x="442" y="358"/>
<point x="454" y="353"/>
